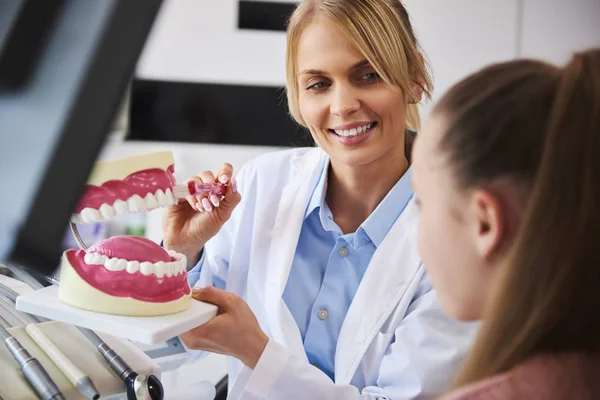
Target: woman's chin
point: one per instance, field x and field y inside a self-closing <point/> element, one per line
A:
<point x="355" y="157"/>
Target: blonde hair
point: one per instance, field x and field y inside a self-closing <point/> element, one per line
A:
<point x="382" y="32"/>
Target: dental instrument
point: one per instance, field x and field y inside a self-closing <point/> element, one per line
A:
<point x="74" y="374"/>
<point x="139" y="387"/>
<point x="33" y="371"/>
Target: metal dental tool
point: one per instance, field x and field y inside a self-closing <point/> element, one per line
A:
<point x="24" y="276"/>
<point x="33" y="371"/>
<point x="139" y="387"/>
<point x="77" y="237"/>
<point x="8" y="293"/>
<point x="76" y="376"/>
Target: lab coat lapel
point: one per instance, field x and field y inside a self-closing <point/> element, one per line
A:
<point x="284" y="240"/>
<point x="391" y="270"/>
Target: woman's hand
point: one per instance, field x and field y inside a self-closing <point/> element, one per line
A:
<point x="234" y="331"/>
<point x="187" y="226"/>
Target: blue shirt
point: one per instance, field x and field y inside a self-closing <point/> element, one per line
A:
<point x="329" y="265"/>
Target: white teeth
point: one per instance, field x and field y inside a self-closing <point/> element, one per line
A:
<point x="146" y="268"/>
<point x="120" y="206"/>
<point x="134" y="204"/>
<point x="115" y="264"/>
<point x="161" y="199"/>
<point x="111" y="264"/>
<point x="121" y="264"/>
<point x="91" y="215"/>
<point x="160" y="268"/>
<point x="107" y="211"/>
<point x="164" y="198"/>
<point x="94" y="258"/>
<point x="150" y="201"/>
<point x="132" y="267"/>
<point x="170" y="198"/>
<point x="168" y="269"/>
<point x="354" y="131"/>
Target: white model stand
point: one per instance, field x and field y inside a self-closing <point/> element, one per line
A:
<point x="148" y="330"/>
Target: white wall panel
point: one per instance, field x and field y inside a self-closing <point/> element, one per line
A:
<point x="461" y="36"/>
<point x="198" y="41"/>
<point x="554" y="29"/>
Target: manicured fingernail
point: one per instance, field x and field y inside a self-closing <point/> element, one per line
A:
<point x="199" y="207"/>
<point x="224" y="179"/>
<point x="196" y="290"/>
<point x="234" y="185"/>
<point x="206" y="204"/>
<point x="214" y="200"/>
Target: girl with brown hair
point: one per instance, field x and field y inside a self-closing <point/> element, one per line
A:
<point x="507" y="178"/>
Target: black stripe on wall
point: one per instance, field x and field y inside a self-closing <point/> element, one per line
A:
<point x="212" y="113"/>
<point x="264" y="15"/>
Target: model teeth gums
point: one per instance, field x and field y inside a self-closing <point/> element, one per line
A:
<point x="125" y="275"/>
<point x="354" y="131"/>
<point x="159" y="269"/>
<point x="127" y="185"/>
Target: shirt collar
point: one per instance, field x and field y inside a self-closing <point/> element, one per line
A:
<point x="317" y="199"/>
<point x="377" y="225"/>
<point x="387" y="212"/>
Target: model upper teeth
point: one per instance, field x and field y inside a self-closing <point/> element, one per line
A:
<point x="354" y="131"/>
<point x="160" y="269"/>
<point x="134" y="204"/>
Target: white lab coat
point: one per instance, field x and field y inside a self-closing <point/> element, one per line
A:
<point x="395" y="340"/>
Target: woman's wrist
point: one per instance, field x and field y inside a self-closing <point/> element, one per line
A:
<point x="254" y="350"/>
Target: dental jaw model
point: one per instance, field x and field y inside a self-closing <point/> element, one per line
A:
<point x="128" y="185"/>
<point x="126" y="275"/>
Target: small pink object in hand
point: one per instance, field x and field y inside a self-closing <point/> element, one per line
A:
<point x="193" y="188"/>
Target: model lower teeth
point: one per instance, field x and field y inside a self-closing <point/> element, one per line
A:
<point x="160" y="268"/>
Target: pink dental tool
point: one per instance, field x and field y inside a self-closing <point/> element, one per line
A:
<point x="194" y="188"/>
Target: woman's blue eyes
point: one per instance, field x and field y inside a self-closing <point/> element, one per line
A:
<point x="366" y="78"/>
<point x="371" y="76"/>
<point x="318" y="86"/>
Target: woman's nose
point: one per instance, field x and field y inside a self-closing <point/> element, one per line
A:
<point x="344" y="101"/>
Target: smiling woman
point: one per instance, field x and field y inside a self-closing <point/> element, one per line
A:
<point x="330" y="299"/>
<point x="344" y="102"/>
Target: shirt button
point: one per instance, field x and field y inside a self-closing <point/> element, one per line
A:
<point x="323" y="314"/>
<point x="343" y="252"/>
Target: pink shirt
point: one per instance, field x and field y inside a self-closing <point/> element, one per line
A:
<point x="551" y="377"/>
